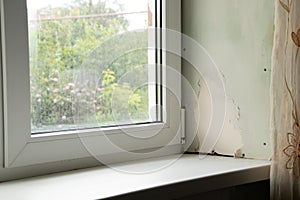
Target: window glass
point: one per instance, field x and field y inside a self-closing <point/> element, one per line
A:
<point x="86" y="69"/>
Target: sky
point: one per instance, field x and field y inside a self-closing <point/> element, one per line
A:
<point x="130" y="5"/>
<point x="136" y="22"/>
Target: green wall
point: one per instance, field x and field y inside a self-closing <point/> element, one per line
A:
<point x="238" y="35"/>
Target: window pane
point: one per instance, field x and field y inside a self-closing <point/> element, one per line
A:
<point x="86" y="69"/>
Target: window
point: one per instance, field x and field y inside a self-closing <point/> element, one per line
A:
<point x="71" y="90"/>
<point x="87" y="68"/>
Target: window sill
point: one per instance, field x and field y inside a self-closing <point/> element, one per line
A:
<point x="187" y="175"/>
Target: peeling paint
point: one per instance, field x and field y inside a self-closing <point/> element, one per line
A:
<point x="239" y="113"/>
<point x="231" y="136"/>
<point x="239" y="153"/>
<point x="238" y="34"/>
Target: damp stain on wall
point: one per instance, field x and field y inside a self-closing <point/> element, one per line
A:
<point x="238" y="35"/>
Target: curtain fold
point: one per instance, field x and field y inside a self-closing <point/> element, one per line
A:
<point x="285" y="96"/>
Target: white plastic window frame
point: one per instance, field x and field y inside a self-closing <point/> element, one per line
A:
<point x="21" y="149"/>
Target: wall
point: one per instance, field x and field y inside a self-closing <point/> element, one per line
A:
<point x="238" y="35"/>
<point x="257" y="190"/>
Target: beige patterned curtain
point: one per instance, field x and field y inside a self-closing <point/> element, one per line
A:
<point x="285" y="170"/>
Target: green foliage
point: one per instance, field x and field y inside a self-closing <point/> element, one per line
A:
<point x="75" y="76"/>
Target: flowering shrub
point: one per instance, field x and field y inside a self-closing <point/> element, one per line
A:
<point x="66" y="95"/>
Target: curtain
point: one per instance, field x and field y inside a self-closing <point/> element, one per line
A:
<point x="285" y="91"/>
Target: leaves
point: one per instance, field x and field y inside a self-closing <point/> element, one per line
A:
<point x="284" y="6"/>
<point x="296" y="38"/>
<point x="290" y="151"/>
<point x="290" y="163"/>
<point x="292" y="140"/>
<point x="64" y="91"/>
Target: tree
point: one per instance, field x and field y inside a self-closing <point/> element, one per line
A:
<point x="73" y="72"/>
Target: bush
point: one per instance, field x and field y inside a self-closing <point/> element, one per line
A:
<point x="72" y="85"/>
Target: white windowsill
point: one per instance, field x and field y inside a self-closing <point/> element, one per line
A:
<point x="206" y="174"/>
